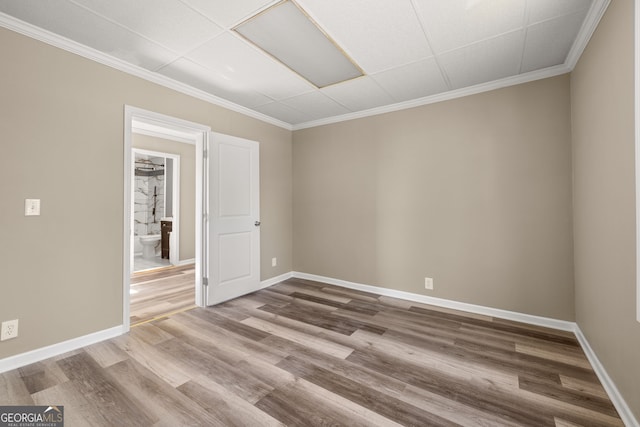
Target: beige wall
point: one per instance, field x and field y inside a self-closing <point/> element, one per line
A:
<point x="602" y="87"/>
<point x="474" y="192"/>
<point x="62" y="141"/>
<point x="187" y="153"/>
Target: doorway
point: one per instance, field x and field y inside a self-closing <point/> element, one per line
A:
<point x="227" y="207"/>
<point x="188" y="269"/>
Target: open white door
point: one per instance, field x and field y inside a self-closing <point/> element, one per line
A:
<point x="233" y="253"/>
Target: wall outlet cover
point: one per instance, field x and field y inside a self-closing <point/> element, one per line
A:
<point x="428" y="283"/>
<point x="31" y="207"/>
<point x="9" y="330"/>
<point x="274" y="262"/>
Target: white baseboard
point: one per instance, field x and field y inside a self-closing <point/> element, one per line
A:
<point x="20" y="360"/>
<point x="618" y="401"/>
<point x="616" y="398"/>
<point x="185" y="262"/>
<point x="608" y="384"/>
<point x="440" y="302"/>
<point x="272" y="281"/>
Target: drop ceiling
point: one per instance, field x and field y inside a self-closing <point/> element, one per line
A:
<point x="412" y="52"/>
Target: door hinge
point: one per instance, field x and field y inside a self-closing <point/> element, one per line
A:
<point x="205" y="154"/>
<point x="205" y="281"/>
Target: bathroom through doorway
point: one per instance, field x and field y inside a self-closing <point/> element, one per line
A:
<point x="156" y="207"/>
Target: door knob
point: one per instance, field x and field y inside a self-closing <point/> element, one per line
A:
<point x="257" y="224"/>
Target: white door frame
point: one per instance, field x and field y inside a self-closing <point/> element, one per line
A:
<point x="174" y="254"/>
<point x="177" y="129"/>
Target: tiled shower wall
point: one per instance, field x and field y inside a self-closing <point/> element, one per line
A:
<point x="144" y="221"/>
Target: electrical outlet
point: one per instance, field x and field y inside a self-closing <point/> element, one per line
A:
<point x="9" y="330"/>
<point x="428" y="283"/>
<point x="274" y="262"/>
<point x="31" y="207"/>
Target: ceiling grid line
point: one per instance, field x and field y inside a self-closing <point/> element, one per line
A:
<point x="525" y="23"/>
<point x="124" y="27"/>
<point x="425" y="31"/>
<point x="412" y="52"/>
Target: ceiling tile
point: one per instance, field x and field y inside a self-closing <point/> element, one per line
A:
<point x="412" y="81"/>
<point x="452" y="24"/>
<point x="549" y="42"/>
<point x="359" y="94"/>
<point x="228" y="13"/>
<point x="409" y="49"/>
<point x="316" y="105"/>
<point x="282" y="112"/>
<point x="377" y="34"/>
<point x="541" y="10"/>
<point x="217" y="84"/>
<point x="485" y="61"/>
<point x="243" y="64"/>
<point x="78" y="24"/>
<point x="167" y="22"/>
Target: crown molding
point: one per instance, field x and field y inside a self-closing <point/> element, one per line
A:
<point x="21" y="27"/>
<point x="595" y="14"/>
<point x="444" y="96"/>
<point x="597" y="10"/>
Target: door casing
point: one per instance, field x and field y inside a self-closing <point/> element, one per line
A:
<point x="176" y="129"/>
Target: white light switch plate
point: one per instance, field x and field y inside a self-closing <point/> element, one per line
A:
<point x="31" y="207"/>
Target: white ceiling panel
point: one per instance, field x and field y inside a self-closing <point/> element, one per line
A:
<point x="408" y="49"/>
<point x="377" y="34"/>
<point x="242" y="63"/>
<point x="315" y="105"/>
<point x="167" y="22"/>
<point x="485" y="61"/>
<point x="548" y="43"/>
<point x="412" y="81"/>
<point x="359" y="94"/>
<point x="212" y="82"/>
<point x="282" y="112"/>
<point x="228" y="13"/>
<point x="541" y="10"/>
<point x="452" y="24"/>
<point x="286" y="33"/>
<point x="78" y="24"/>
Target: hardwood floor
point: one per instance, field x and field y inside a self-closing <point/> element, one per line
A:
<point x="156" y="293"/>
<point x="306" y="353"/>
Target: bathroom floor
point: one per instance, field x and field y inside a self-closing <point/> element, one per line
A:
<point x="140" y="264"/>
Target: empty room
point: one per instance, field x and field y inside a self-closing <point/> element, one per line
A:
<point x="319" y="212"/>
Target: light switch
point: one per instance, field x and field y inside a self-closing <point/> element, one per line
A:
<point x="31" y="207"/>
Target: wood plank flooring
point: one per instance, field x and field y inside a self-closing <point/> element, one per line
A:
<point x="303" y="353"/>
<point x="156" y="293"/>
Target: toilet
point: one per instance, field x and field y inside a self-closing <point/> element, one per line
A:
<point x="149" y="243"/>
